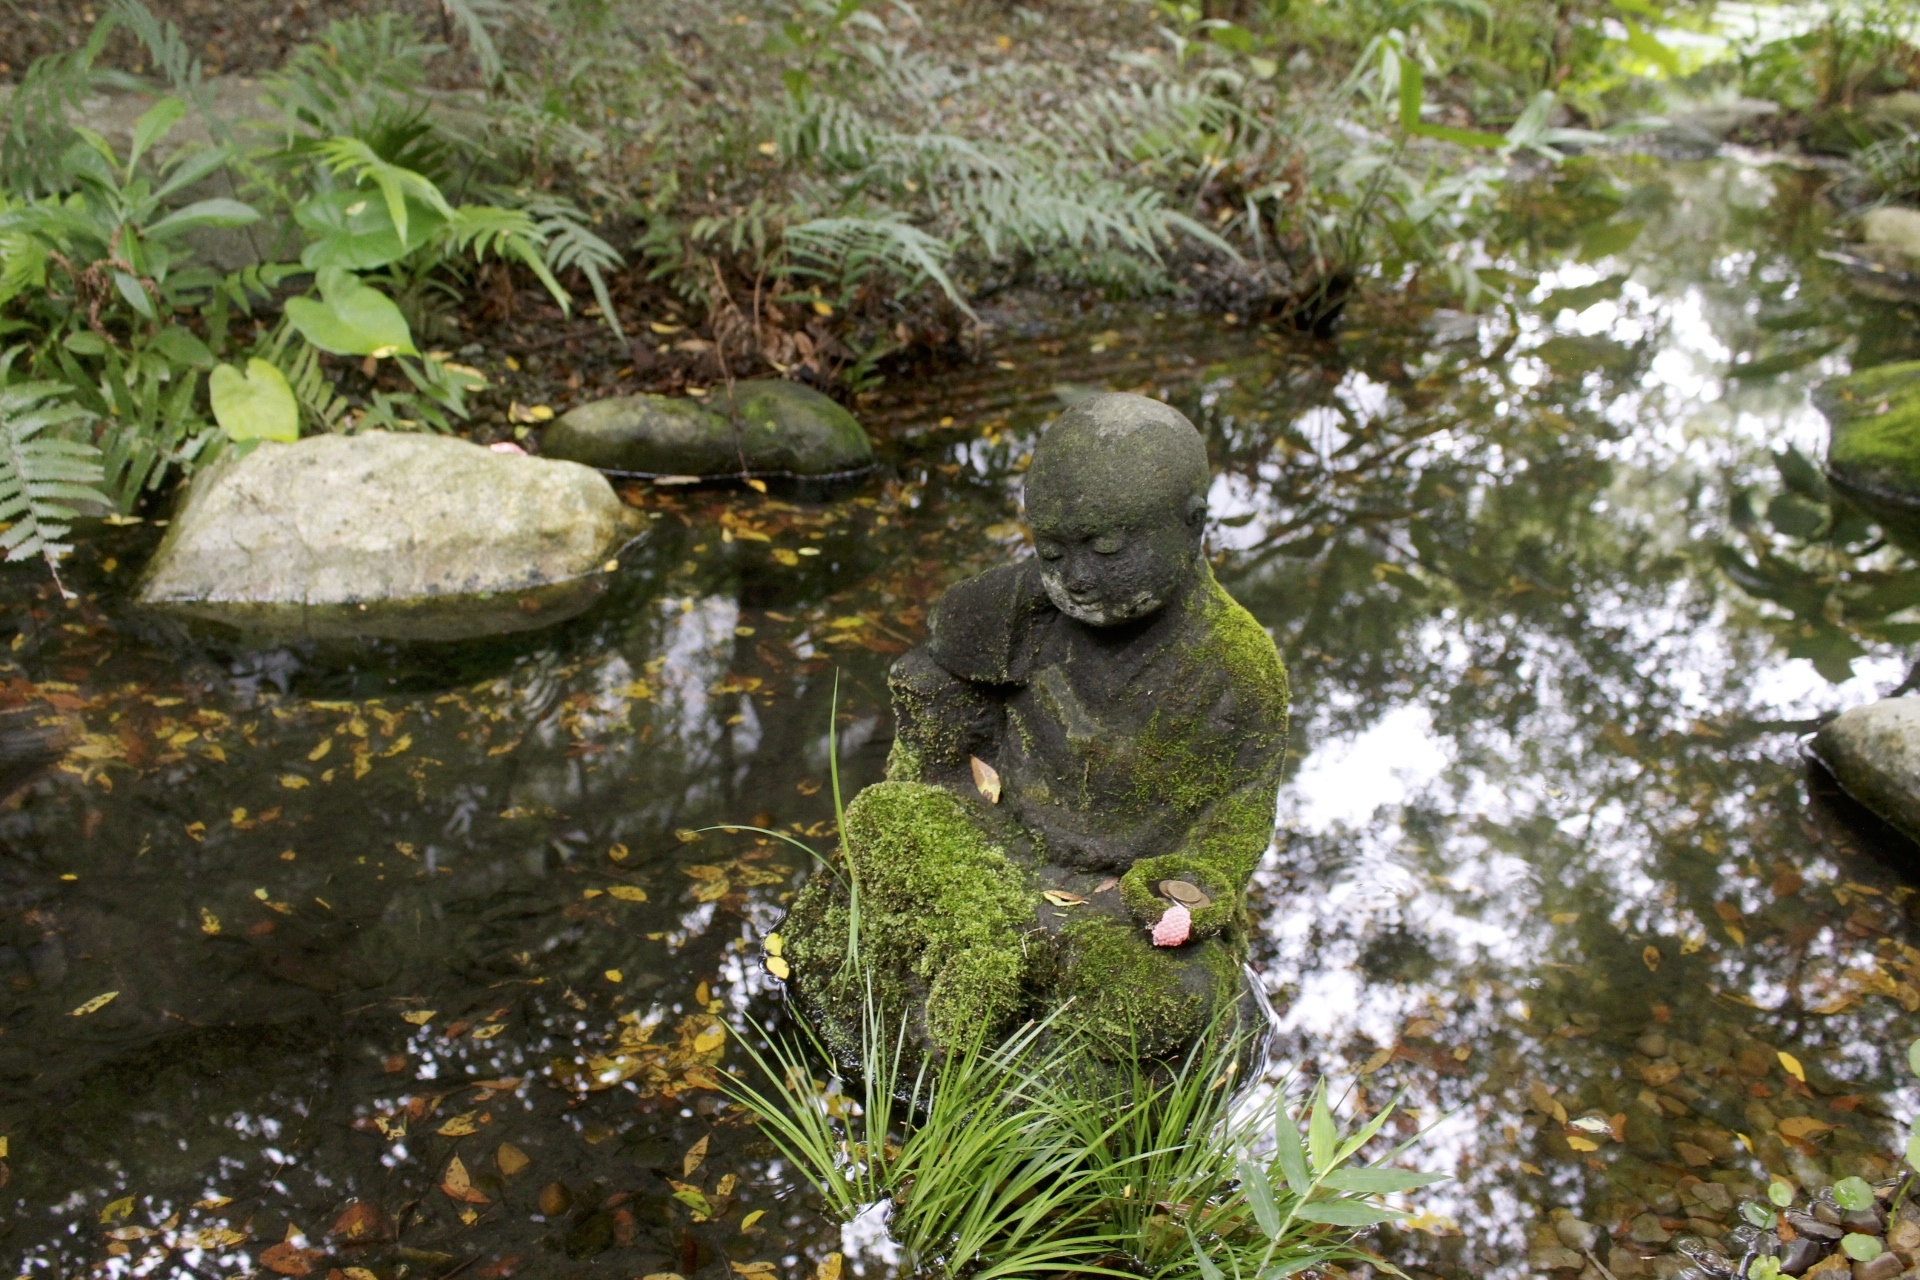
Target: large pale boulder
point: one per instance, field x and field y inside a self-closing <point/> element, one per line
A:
<point x="763" y="428"/>
<point x="1891" y="235"/>
<point x="1874" y="753"/>
<point x="406" y="536"/>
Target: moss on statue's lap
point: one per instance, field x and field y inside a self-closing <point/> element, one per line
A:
<point x="1129" y="996"/>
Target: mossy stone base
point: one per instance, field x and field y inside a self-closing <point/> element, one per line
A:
<point x="764" y="428"/>
<point x="1874" y="453"/>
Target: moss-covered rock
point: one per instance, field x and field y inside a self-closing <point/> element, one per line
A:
<point x="1874" y="453"/>
<point x="1135" y="717"/>
<point x="764" y="428"/>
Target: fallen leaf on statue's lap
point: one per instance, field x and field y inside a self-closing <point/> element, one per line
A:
<point x="1061" y="898"/>
<point x="1111" y="882"/>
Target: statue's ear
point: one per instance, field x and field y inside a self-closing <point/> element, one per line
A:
<point x="1196" y="512"/>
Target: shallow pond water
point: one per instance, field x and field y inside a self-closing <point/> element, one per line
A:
<point x="1549" y="850"/>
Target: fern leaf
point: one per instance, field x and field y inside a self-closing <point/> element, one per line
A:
<point x="42" y="473"/>
<point x="473" y="15"/>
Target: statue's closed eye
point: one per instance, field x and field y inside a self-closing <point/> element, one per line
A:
<point x="1107" y="543"/>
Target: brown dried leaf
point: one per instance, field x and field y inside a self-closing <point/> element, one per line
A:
<point x="511" y="1159"/>
<point x="1803" y="1127"/>
<point x="359" y="1221"/>
<point x="695" y="1157"/>
<point x="284" y="1259"/>
<point x="1061" y="898"/>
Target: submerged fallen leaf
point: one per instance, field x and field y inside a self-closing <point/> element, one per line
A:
<point x="1061" y="898"/>
<point x="209" y="922"/>
<point x="555" y="1199"/>
<point x="359" y="1221"/>
<point x="117" y="1209"/>
<point x="1791" y="1065"/>
<point x="627" y="893"/>
<point x="829" y="1268"/>
<point x="1803" y="1127"/>
<point x="1591" y="1124"/>
<point x="487" y="1032"/>
<point x="752" y="1270"/>
<point x="288" y="1259"/>
<point x="710" y="1039"/>
<point x="418" y="1017"/>
<point x="459" y="1126"/>
<point x="1583" y="1144"/>
<point x="511" y="1159"/>
<point x="459" y="1186"/>
<point x="1651" y="957"/>
<point x="96" y="1004"/>
<point x="695" y="1157"/>
<point x="1376" y="1060"/>
<point x="986" y="778"/>
<point x="746" y="1223"/>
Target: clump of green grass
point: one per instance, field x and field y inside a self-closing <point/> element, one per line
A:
<point x="1029" y="1156"/>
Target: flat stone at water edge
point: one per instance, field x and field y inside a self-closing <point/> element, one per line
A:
<point x="1874" y="753"/>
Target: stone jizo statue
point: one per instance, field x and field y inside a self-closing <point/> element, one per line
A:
<point x="1084" y="776"/>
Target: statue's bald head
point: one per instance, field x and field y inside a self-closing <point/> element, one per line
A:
<point x="1118" y="456"/>
<point x="1117" y="498"/>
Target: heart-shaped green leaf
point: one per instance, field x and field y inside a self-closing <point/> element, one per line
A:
<point x="255" y="405"/>
<point x="351" y="318"/>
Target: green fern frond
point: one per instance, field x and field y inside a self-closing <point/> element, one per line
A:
<point x="354" y="158"/>
<point x="172" y="58"/>
<point x="473" y="17"/>
<point x="847" y="247"/>
<point x="42" y="472"/>
<point x="485" y="229"/>
<point x="571" y="244"/>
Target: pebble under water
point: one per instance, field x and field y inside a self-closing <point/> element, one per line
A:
<point x="417" y="956"/>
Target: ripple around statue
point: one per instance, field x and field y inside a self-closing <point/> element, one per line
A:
<point x="1088" y="747"/>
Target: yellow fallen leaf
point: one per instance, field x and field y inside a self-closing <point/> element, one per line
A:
<point x="1650" y="956"/>
<point x="618" y="853"/>
<point x="487" y="1032"/>
<point x="94" y="1005"/>
<point x="1735" y="932"/>
<point x="822" y="308"/>
<point x="1803" y="1127"/>
<point x="829" y="1268"/>
<point x="511" y="1159"/>
<point x="1583" y="1144"/>
<point x="1564" y="917"/>
<point x="1061" y="898"/>
<point x="628" y="893"/>
<point x="1376" y="1060"/>
<point x="400" y="744"/>
<point x="779" y="968"/>
<point x="459" y="1186"/>
<point x="986" y="778"/>
<point x="774" y="944"/>
<point x="319" y="752"/>
<point x="1791" y="1065"/>
<point x="117" y="1209"/>
<point x="746" y="1223"/>
<point x="293" y="781"/>
<point x="418" y="1017"/>
<point x="459" y="1126"/>
<point x="1533" y="1169"/>
<point x="591" y="893"/>
<point x="209" y="922"/>
<point x="1694" y="942"/>
<point x="786" y="556"/>
<point x="695" y="1157"/>
<point x="710" y="1039"/>
<point x="614" y="975"/>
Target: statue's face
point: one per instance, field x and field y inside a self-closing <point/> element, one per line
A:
<point x="1104" y="572"/>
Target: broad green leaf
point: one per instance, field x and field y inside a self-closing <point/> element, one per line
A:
<point x="1643" y="42"/>
<point x="1346" y="1213"/>
<point x="1780" y="1191"/>
<point x="1913" y="1152"/>
<point x="1853" y="1194"/>
<point x="1913" y="1057"/>
<point x="1292" y="1156"/>
<point x="219" y="212"/>
<point x="154" y="125"/>
<point x="255" y="405"/>
<point x="1609" y="238"/>
<point x="352" y="229"/>
<point x="1259" y="1193"/>
<point x="1758" y="1214"/>
<point x="135" y="293"/>
<point x="1320" y="1133"/>
<point x="351" y="318"/>
<point x="85" y="342"/>
<point x="1232" y="36"/>
<point x="1380" y="1181"/>
<point x="182" y="346"/>
<point x="1861" y="1248"/>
